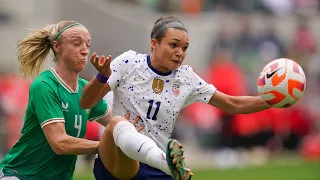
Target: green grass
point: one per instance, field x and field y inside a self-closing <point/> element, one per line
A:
<point x="295" y="170"/>
<point x="305" y="171"/>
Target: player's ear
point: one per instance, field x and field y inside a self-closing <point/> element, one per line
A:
<point x="154" y="43"/>
<point x="56" y="47"/>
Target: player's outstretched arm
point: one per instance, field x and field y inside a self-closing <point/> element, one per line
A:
<point x="63" y="144"/>
<point x="96" y="89"/>
<point x="238" y="104"/>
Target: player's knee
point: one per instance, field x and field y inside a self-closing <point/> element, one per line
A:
<point x="108" y="132"/>
<point x="115" y="120"/>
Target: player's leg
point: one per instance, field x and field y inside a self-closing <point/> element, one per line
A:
<point x="120" y="134"/>
<point x="114" y="160"/>
<point x="117" y="154"/>
<point x="142" y="148"/>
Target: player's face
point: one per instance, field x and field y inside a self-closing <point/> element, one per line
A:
<point x="75" y="48"/>
<point x="172" y="49"/>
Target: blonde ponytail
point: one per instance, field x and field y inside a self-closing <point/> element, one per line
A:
<point x="34" y="49"/>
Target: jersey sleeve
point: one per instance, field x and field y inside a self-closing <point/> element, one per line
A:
<point x="45" y="103"/>
<point x="201" y="90"/>
<point x="119" y="67"/>
<point x="99" y="111"/>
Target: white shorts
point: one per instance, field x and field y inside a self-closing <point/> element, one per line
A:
<point x="2" y="177"/>
<point x="9" y="178"/>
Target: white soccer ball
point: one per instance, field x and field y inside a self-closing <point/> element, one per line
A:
<point x="282" y="83"/>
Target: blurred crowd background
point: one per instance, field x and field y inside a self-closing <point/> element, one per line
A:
<point x="230" y="42"/>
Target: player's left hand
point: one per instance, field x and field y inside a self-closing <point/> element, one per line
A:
<point x="134" y="122"/>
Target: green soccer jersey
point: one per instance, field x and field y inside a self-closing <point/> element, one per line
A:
<point x="50" y="100"/>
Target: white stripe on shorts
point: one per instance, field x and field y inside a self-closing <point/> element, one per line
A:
<point x="9" y="178"/>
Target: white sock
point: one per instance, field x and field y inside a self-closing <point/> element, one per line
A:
<point x="139" y="147"/>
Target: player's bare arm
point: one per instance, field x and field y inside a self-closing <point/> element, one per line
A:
<point x="95" y="89"/>
<point x="105" y="120"/>
<point x="63" y="144"/>
<point x="238" y="104"/>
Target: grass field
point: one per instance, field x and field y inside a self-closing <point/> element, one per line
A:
<point x="289" y="170"/>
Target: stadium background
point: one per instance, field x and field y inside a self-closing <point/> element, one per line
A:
<point x="230" y="42"/>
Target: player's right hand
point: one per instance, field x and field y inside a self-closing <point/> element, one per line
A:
<point x="102" y="64"/>
<point x="134" y="122"/>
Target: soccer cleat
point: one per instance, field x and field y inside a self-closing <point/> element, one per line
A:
<point x="175" y="160"/>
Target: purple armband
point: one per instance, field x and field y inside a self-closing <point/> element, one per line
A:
<point x="101" y="78"/>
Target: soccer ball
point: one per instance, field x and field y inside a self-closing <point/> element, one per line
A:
<point x="281" y="83"/>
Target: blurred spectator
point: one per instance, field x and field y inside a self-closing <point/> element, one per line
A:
<point x="277" y="7"/>
<point x="170" y="5"/>
<point x="226" y="75"/>
<point x="282" y="7"/>
<point x="308" y="8"/>
<point x="239" y="5"/>
<point x="304" y="44"/>
<point x="220" y="4"/>
<point x="246" y="42"/>
<point x="204" y="119"/>
<point x="129" y="1"/>
<point x="301" y="122"/>
<point x="224" y="40"/>
<point x="164" y="6"/>
<point x="14" y="98"/>
<point x="245" y="6"/>
<point x="191" y="6"/>
<point x="215" y="126"/>
<point x="270" y="47"/>
<point x="4" y="17"/>
<point x="247" y="53"/>
<point x="311" y="97"/>
<point x="310" y="146"/>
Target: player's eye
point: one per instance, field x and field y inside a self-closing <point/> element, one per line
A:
<point x="185" y="48"/>
<point x="173" y="45"/>
<point x="76" y="43"/>
<point x="88" y="45"/>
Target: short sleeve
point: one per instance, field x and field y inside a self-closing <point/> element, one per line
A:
<point x="119" y="67"/>
<point x="99" y="111"/>
<point x="45" y="103"/>
<point x="201" y="90"/>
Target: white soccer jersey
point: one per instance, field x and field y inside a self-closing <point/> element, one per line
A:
<point x="155" y="97"/>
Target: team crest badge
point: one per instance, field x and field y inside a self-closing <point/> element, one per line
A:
<point x="64" y="106"/>
<point x="176" y="88"/>
<point x="157" y="85"/>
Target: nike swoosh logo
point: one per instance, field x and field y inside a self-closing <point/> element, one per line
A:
<point x="161" y="156"/>
<point x="138" y="79"/>
<point x="140" y="147"/>
<point x="271" y="74"/>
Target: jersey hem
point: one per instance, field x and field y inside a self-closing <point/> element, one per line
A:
<point x="50" y="121"/>
<point x="207" y="101"/>
<point x="1" y="173"/>
<point x="101" y="116"/>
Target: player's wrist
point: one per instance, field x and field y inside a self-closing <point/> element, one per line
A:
<point x="101" y="78"/>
